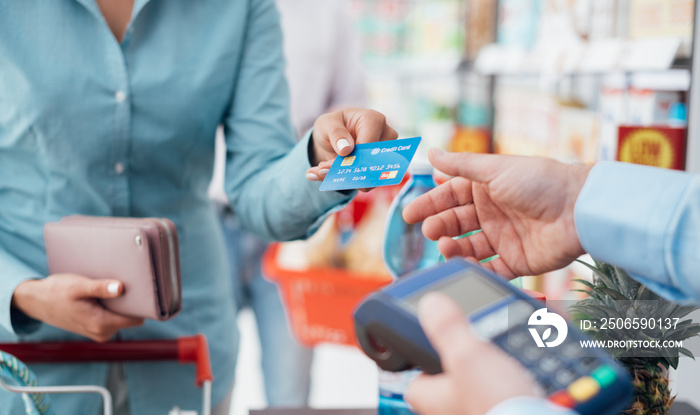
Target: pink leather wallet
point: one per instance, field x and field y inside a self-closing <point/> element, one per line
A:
<point x="142" y="253"/>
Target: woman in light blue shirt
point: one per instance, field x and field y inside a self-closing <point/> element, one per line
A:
<point x="96" y="120"/>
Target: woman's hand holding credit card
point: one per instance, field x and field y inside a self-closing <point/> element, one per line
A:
<point x="371" y="165"/>
<point x="337" y="133"/>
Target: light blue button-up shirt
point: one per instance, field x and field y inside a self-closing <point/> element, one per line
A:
<point x="645" y="220"/>
<point x="91" y="126"/>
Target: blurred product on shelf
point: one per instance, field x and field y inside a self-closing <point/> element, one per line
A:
<point x="400" y="28"/>
<point x="658" y="18"/>
<point x="604" y="19"/>
<point x="435" y="29"/>
<point x="525" y="121"/>
<point x="481" y="26"/>
<point x="579" y="134"/>
<point x="647" y="107"/>
<point x="473" y="128"/>
<point x="473" y="140"/>
<point x="361" y="254"/>
<point x="412" y="52"/>
<point x="653" y="146"/>
<point x="350" y="239"/>
<point x="320" y="250"/>
<point x="612" y="113"/>
<point x="518" y="22"/>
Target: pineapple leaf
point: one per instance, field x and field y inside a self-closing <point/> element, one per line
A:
<point x="666" y="359"/>
<point x="612" y="293"/>
<point x="684" y="334"/>
<point x="686" y="352"/>
<point x="607" y="282"/>
<point x="683" y="311"/>
<point x="627" y="286"/>
<point x="588" y="292"/>
<point x="584" y="282"/>
<point x="644" y="293"/>
<point x="596" y="311"/>
<point x="685" y="323"/>
<point x="590" y="312"/>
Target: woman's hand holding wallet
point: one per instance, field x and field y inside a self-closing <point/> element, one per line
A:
<point x="71" y="302"/>
<point x="107" y="274"/>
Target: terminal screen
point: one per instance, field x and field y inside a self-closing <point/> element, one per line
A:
<point x="471" y="291"/>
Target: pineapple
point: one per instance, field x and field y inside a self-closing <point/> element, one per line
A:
<point x="614" y="293"/>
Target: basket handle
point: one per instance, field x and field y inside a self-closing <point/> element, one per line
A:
<point x="185" y="350"/>
<point x="195" y="349"/>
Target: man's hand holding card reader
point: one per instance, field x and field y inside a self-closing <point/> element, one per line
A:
<point x="586" y="380"/>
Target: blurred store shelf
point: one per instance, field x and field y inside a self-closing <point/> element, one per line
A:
<point x="416" y="66"/>
<point x="595" y="57"/>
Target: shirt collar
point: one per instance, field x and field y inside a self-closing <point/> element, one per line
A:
<point x="92" y="6"/>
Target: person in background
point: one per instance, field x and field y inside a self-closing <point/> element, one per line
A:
<point x="539" y="215"/>
<point x="109" y="108"/>
<point x="325" y="72"/>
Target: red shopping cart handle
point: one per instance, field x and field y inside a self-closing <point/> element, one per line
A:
<point x="186" y="350"/>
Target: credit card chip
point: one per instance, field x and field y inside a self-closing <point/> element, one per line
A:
<point x="347" y="161"/>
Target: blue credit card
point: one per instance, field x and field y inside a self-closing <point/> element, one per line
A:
<point x="371" y="165"/>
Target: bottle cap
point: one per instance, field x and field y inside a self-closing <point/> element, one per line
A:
<point x="420" y="167"/>
<point x="677" y="114"/>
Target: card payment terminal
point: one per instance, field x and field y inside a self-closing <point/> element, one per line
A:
<point x="586" y="380"/>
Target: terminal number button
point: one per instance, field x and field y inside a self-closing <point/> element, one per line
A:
<point x="605" y="375"/>
<point x="563" y="399"/>
<point x="584" y="389"/>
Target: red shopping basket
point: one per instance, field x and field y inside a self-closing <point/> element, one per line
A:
<point x="320" y="301"/>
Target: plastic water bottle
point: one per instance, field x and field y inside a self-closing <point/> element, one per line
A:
<point x="405" y="247"/>
<point x="405" y="250"/>
<point x="392" y="386"/>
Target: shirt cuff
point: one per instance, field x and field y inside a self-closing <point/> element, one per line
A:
<point x="324" y="203"/>
<point x="623" y="216"/>
<point x="529" y="406"/>
<point x="13" y="274"/>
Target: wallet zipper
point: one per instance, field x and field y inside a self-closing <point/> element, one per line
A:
<point x="173" y="265"/>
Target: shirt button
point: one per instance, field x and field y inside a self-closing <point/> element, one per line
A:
<point x="120" y="96"/>
<point x="119" y="168"/>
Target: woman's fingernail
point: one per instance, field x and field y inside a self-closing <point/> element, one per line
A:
<point x="311" y="176"/>
<point x="323" y="172"/>
<point x="113" y="287"/>
<point x="342" y="143"/>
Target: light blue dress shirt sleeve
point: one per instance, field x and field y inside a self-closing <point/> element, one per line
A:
<point x="647" y="221"/>
<point x="529" y="406"/>
<point x="265" y="171"/>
